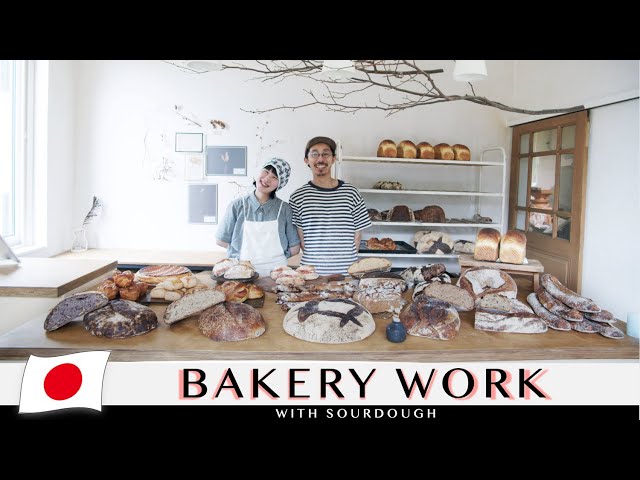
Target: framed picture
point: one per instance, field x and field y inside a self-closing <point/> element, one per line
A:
<point x="189" y="142"/>
<point x="228" y="161"/>
<point x="203" y="203"/>
<point x="193" y="168"/>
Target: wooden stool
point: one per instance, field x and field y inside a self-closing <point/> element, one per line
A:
<point x="534" y="268"/>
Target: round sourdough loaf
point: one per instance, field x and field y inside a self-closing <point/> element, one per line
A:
<point x="407" y="149"/>
<point x="387" y="148"/>
<point x="513" y="247"/>
<point x="120" y="319"/>
<point x="487" y="247"/>
<point x="231" y="322"/>
<point x="74" y="307"/>
<point x="335" y="320"/>
<point x="430" y="214"/>
<point x="481" y="281"/>
<point x="425" y="151"/>
<point x="154" y="274"/>
<point x="431" y="318"/>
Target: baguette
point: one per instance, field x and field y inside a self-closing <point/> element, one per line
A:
<point x="558" y="308"/>
<point x="567" y="296"/>
<point x="191" y="304"/>
<point x="552" y="320"/>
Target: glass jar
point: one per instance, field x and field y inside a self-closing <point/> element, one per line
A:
<point x="79" y="243"/>
<point x="396" y="331"/>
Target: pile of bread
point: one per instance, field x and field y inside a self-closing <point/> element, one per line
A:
<point x="233" y="269"/>
<point x="123" y="285"/>
<point x="235" y="291"/>
<point x="402" y="213"/>
<point x="387" y="185"/>
<point x="423" y="150"/>
<point x="375" y="243"/>
<point x="285" y="275"/>
<point x="508" y="248"/>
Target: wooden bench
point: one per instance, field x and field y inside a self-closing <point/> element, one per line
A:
<point x="533" y="268"/>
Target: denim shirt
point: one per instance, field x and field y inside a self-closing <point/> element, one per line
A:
<point x="249" y="208"/>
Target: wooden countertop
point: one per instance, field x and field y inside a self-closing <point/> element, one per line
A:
<point x="50" y="277"/>
<point x="183" y="341"/>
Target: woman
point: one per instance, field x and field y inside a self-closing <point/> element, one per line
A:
<point x="258" y="227"/>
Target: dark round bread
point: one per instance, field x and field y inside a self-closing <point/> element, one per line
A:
<point x="231" y="321"/>
<point x="374" y="215"/>
<point x="74" y="307"/>
<point x="430" y="214"/>
<point x="121" y="319"/>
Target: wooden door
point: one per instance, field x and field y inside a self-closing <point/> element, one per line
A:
<point x="546" y="201"/>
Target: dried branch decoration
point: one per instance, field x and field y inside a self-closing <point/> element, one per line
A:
<point x="94" y="212"/>
<point x="404" y="84"/>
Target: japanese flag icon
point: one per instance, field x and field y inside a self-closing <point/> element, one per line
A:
<point x="66" y="381"/>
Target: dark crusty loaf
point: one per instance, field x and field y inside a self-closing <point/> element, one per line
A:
<point x="425" y="151"/>
<point x="552" y="285"/>
<point x="555" y="306"/>
<point x="74" y="307"/>
<point x="487" y="245"/>
<point x="192" y="303"/>
<point x="387" y="148"/>
<point x="231" y="322"/>
<point x="430" y="214"/>
<point x="407" y="149"/>
<point x="120" y="319"/>
<point x="401" y="213"/>
<point x="374" y="215"/>
<point x="513" y="247"/>
<point x="427" y="317"/>
<point x="520" y="319"/>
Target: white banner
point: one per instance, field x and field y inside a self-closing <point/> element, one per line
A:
<point x="275" y="383"/>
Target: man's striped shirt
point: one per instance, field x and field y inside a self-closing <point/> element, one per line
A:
<point x="329" y="218"/>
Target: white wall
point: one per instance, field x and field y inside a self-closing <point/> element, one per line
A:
<point x="60" y="161"/>
<point x="612" y="220"/>
<point x="119" y="102"/>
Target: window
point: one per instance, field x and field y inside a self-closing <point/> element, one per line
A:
<point x="16" y="147"/>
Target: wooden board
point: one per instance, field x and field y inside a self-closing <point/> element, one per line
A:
<point x="50" y="277"/>
<point x="183" y="341"/>
<point x="467" y="261"/>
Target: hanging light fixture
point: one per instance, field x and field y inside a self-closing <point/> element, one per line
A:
<point x="469" y="70"/>
<point x="338" y="69"/>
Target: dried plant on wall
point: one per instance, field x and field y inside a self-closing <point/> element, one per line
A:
<point x="399" y="85"/>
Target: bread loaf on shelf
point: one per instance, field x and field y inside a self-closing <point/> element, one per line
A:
<point x="513" y="247"/>
<point x="376" y="243"/>
<point x="374" y="215"/>
<point x="461" y="152"/>
<point x="401" y="213"/>
<point x="406" y="149"/>
<point x="430" y="214"/>
<point x="444" y="151"/>
<point x="487" y="245"/>
<point x="425" y="151"/>
<point x="387" y="148"/>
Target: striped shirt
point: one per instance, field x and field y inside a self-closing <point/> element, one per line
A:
<point x="329" y="218"/>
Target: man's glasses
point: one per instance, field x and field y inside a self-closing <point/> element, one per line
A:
<point x="316" y="155"/>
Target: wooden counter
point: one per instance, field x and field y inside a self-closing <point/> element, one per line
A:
<point x="183" y="341"/>
<point x="50" y="277"/>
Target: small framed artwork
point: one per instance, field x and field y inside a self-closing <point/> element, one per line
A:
<point x="229" y="161"/>
<point x="193" y="168"/>
<point x="189" y="142"/>
<point x="203" y="203"/>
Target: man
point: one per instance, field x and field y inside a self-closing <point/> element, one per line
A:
<point x="330" y="214"/>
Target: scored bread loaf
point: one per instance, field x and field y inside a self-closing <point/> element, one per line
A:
<point x="387" y="148"/>
<point x="431" y="318"/>
<point x="406" y="149"/>
<point x="120" y="319"/>
<point x="443" y="151"/>
<point x="458" y="297"/>
<point x="425" y="151"/>
<point x="513" y="247"/>
<point x="401" y="213"/>
<point x="461" y="152"/>
<point x="487" y="245"/>
<point x="481" y="281"/>
<point x="231" y="322"/>
<point x="154" y="274"/>
<point x="192" y="303"/>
